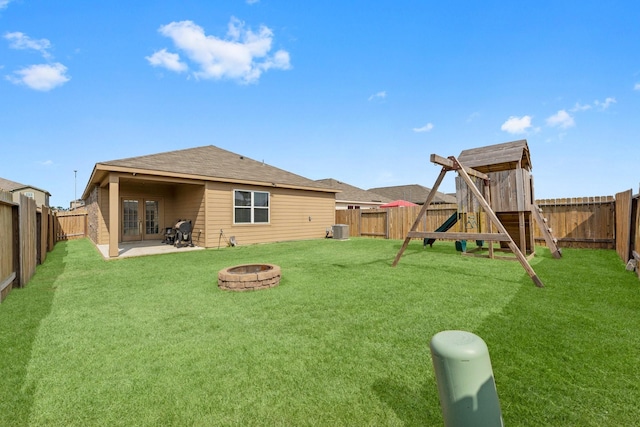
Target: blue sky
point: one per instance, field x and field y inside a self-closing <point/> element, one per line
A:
<point x="362" y="92"/>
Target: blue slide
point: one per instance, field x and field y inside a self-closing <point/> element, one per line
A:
<point x="444" y="227"/>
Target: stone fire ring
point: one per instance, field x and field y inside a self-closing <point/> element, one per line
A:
<point x="249" y="277"/>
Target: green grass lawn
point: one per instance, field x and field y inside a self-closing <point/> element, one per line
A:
<point x="343" y="341"/>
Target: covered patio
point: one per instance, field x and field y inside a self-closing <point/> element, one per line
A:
<point x="143" y="248"/>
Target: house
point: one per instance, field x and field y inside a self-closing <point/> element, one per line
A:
<point x="351" y="197"/>
<point x="414" y="193"/>
<point x="15" y="188"/>
<point x="76" y="204"/>
<point x="223" y="194"/>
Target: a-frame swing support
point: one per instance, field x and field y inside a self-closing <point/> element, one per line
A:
<point x="449" y="164"/>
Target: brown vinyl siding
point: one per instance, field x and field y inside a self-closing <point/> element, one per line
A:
<point x="289" y="215"/>
<point x="188" y="204"/>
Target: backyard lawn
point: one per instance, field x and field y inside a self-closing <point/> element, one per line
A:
<point x="342" y="341"/>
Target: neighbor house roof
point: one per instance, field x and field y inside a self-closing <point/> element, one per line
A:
<point x="349" y="193"/>
<point x="206" y="163"/>
<point x="413" y="193"/>
<point x="8" y="185"/>
<point x="498" y="157"/>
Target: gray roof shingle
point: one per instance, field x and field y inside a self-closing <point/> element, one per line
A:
<point x="414" y="193"/>
<point x="349" y="193"/>
<point x="213" y="163"/>
<point x="8" y="185"/>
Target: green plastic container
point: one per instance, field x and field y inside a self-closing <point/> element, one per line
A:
<point x="467" y="390"/>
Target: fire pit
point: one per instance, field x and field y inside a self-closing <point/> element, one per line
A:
<point x="248" y="277"/>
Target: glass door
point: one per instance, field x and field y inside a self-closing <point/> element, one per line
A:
<point x="152" y="220"/>
<point x="140" y="219"/>
<point x="131" y="224"/>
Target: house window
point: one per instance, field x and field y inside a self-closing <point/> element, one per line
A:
<point x="29" y="194"/>
<point x="251" y="207"/>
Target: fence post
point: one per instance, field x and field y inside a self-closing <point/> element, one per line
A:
<point x="464" y="376"/>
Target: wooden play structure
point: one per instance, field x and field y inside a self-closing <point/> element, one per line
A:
<point x="493" y="182"/>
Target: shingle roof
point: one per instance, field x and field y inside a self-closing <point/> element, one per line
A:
<point x="213" y="163"/>
<point x="8" y="185"/>
<point x="492" y="158"/>
<point x="349" y="193"/>
<point x="414" y="193"/>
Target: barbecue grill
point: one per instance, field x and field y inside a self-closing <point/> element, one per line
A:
<point x="184" y="233"/>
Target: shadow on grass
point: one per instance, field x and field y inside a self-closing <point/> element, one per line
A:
<point x="20" y="316"/>
<point x="561" y="354"/>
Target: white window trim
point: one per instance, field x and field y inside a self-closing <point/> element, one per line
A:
<point x="252" y="207"/>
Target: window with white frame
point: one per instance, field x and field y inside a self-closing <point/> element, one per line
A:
<point x="250" y="207"/>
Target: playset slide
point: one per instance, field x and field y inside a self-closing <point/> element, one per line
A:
<point x="444" y="227"/>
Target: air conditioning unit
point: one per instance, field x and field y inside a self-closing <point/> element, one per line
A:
<point x="340" y="231"/>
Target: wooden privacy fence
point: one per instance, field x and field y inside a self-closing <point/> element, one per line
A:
<point x="19" y="245"/>
<point x="587" y="222"/>
<point x="70" y="225"/>
<point x="392" y="223"/>
<point x="28" y="233"/>
<point x="628" y="227"/>
<point x="580" y="222"/>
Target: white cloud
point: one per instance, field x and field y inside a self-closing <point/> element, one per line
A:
<point x="516" y="125"/>
<point x="605" y="104"/>
<point x="561" y="119"/>
<point x="22" y="41"/>
<point x="46" y="162"/>
<point x="252" y="1"/>
<point x="4" y="3"/>
<point x="168" y="60"/>
<point x="43" y="77"/>
<point x="425" y="128"/>
<point x="473" y="116"/>
<point x="636" y="86"/>
<point x="243" y="55"/>
<point x="380" y="95"/>
<point x="580" y="107"/>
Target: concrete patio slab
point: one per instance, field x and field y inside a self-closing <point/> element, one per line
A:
<point x="143" y="248"/>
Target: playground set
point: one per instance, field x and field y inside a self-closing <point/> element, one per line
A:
<point x="493" y="182"/>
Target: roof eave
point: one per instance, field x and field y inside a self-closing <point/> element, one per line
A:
<point x="134" y="171"/>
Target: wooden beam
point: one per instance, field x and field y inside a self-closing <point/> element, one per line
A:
<point x="114" y="214"/>
<point x="451" y="165"/>
<point x="495" y="237"/>
<point x="8" y="281"/>
<point x="487" y="193"/>
<point x="423" y="211"/>
<point x="492" y="216"/>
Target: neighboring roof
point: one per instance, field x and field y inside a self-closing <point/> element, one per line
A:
<point x="349" y="193"/>
<point x="208" y="163"/>
<point x="12" y="186"/>
<point x="499" y="157"/>
<point x="413" y="193"/>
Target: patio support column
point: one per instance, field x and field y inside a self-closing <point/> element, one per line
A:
<point x="114" y="214"/>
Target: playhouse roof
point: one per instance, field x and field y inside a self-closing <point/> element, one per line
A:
<point x="498" y="157"/>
